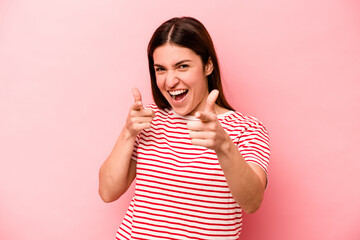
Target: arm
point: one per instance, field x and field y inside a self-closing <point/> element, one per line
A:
<point x="118" y="171"/>
<point x="246" y="181"/>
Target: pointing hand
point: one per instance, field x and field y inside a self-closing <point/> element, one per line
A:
<point x="208" y="132"/>
<point x="139" y="118"/>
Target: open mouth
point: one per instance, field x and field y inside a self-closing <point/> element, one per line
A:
<point x="178" y="95"/>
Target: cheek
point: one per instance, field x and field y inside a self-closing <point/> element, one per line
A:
<point x="160" y="82"/>
<point x="191" y="78"/>
<point x="199" y="81"/>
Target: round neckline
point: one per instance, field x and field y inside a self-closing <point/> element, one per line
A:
<point x="189" y="117"/>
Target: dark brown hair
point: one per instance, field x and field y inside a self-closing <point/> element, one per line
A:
<point x="190" y="33"/>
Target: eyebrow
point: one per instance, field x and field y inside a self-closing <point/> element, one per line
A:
<point x="176" y="64"/>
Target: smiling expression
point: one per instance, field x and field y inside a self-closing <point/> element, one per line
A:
<point x="182" y="78"/>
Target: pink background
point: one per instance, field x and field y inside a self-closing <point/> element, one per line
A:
<point x="67" y="69"/>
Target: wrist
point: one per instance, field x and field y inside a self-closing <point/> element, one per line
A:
<point x="126" y="134"/>
<point x="225" y="147"/>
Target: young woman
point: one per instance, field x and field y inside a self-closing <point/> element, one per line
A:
<point x="198" y="163"/>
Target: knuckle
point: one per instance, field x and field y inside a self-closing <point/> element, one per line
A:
<point x="132" y="113"/>
<point x="192" y="135"/>
<point x="148" y="112"/>
<point x="212" y="135"/>
<point x="136" y="129"/>
<point x="212" y="126"/>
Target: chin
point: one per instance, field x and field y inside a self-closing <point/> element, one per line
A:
<point x="182" y="112"/>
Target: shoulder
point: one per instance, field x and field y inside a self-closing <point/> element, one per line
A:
<point x="236" y="120"/>
<point x="236" y="117"/>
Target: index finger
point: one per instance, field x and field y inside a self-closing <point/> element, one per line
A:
<point x="210" y="101"/>
<point x="205" y="116"/>
<point x="137" y="95"/>
<point x="137" y="98"/>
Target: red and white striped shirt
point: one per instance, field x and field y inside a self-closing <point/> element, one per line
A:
<point x="181" y="191"/>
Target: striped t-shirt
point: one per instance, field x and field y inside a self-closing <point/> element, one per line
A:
<point x="181" y="191"/>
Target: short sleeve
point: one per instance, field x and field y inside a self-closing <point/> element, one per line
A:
<point x="254" y="145"/>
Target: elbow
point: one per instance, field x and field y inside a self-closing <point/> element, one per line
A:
<point x="108" y="190"/>
<point x="253" y="206"/>
<point x="251" y="209"/>
<point x="107" y="198"/>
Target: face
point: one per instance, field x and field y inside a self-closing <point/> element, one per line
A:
<point x="181" y="78"/>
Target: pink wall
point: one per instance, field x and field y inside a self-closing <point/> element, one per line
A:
<point x="66" y="72"/>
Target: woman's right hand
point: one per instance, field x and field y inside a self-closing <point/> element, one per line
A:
<point x="139" y="118"/>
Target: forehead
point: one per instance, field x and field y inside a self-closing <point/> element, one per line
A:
<point x="171" y="54"/>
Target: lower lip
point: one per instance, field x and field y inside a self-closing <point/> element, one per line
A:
<point x="180" y="100"/>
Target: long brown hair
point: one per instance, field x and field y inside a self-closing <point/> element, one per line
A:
<point x="190" y="33"/>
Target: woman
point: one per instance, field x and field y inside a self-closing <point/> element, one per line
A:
<point x="198" y="163"/>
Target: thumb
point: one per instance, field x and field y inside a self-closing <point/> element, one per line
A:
<point x="137" y="97"/>
<point x="210" y="101"/>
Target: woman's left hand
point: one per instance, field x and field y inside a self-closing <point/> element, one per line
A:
<point x="208" y="132"/>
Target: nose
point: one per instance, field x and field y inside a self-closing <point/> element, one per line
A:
<point x="171" y="79"/>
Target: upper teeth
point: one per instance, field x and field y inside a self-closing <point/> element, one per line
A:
<point x="177" y="92"/>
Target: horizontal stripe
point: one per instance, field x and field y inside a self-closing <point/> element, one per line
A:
<point x="187" y="203"/>
<point x="193" y="198"/>
<point x="183" y="210"/>
<point x="181" y="231"/>
<point x="156" y="152"/>
<point x="188" y="220"/>
<point x="191" y="173"/>
<point x="166" y="223"/>
<point x="177" y="178"/>
<point x="185" y="166"/>
<point x="174" y="186"/>
<point x="223" y="218"/>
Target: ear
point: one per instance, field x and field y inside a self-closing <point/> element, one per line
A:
<point x="209" y="67"/>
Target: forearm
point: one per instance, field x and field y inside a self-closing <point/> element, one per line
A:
<point x="116" y="173"/>
<point x="244" y="183"/>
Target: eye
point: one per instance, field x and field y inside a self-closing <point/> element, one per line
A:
<point x="159" y="69"/>
<point x="183" y="66"/>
